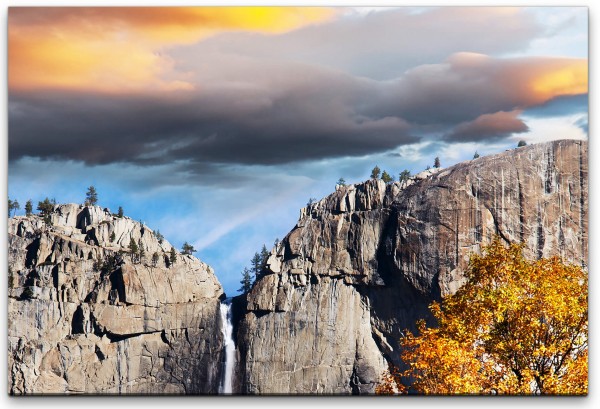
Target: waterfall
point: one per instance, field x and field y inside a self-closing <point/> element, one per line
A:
<point x="227" y="330"/>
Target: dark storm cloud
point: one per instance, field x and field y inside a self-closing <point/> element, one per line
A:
<point x="249" y="111"/>
<point x="297" y="115"/>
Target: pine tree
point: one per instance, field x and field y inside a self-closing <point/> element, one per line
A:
<point x="46" y="208"/>
<point x="154" y="259"/>
<point x="91" y="196"/>
<point x="404" y="176"/>
<point x="264" y="256"/>
<point x="120" y="212"/>
<point x="386" y="177"/>
<point x="28" y="208"/>
<point x="141" y="251"/>
<point x="341" y="182"/>
<point x="375" y="172"/>
<point x="256" y="264"/>
<point x="476" y="155"/>
<point x="246" y="281"/>
<point x="159" y="237"/>
<point x="112" y="237"/>
<point x="521" y="143"/>
<point x="173" y="256"/>
<point x="133" y="250"/>
<point x="13" y="206"/>
<point x="187" y="248"/>
<point x="436" y="162"/>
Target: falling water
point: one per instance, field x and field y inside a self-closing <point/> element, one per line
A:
<point x="227" y="330"/>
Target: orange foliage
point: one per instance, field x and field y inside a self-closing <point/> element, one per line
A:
<point x="516" y="327"/>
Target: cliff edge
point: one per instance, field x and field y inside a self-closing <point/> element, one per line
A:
<point x="363" y="264"/>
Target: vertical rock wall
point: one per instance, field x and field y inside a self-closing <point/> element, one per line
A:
<point x="362" y="264"/>
<point x="84" y="319"/>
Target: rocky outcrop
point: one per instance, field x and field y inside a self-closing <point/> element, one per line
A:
<point x="362" y="264"/>
<point x="83" y="317"/>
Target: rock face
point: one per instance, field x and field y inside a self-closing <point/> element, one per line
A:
<point x="83" y="318"/>
<point x="363" y="264"/>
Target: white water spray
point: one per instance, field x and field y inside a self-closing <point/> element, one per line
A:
<point x="227" y="331"/>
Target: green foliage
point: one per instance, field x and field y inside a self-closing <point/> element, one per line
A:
<point x="113" y="237"/>
<point x="13" y="206"/>
<point x="159" y="237"/>
<point x="28" y="208"/>
<point x="404" y="176"/>
<point x="386" y="177"/>
<point x="45" y="207"/>
<point x="521" y="143"/>
<point x="187" y="248"/>
<point x="246" y="281"/>
<point x="436" y="162"/>
<point x="141" y="250"/>
<point x="173" y="256"/>
<point x="120" y="212"/>
<point x="375" y="172"/>
<point x="311" y="201"/>
<point x="133" y="250"/>
<point x="341" y="182"/>
<point x="91" y="196"/>
<point x="476" y="155"/>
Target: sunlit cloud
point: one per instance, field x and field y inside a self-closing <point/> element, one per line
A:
<point x="122" y="49"/>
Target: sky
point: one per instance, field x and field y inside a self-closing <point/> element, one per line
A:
<point x="216" y="125"/>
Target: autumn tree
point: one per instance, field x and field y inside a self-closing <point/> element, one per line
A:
<point x="515" y="327"/>
<point x="375" y="172"/>
<point x="91" y="196"/>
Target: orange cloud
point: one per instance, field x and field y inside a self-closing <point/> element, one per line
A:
<point x="119" y="49"/>
<point x="569" y="77"/>
<point x="532" y="80"/>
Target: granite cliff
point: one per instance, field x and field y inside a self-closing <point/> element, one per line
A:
<point x="83" y="317"/>
<point x="362" y="264"/>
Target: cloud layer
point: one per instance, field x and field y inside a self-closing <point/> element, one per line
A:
<point x="204" y="88"/>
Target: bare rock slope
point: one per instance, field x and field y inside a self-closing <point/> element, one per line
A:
<point x="84" y="318"/>
<point x="362" y="264"/>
